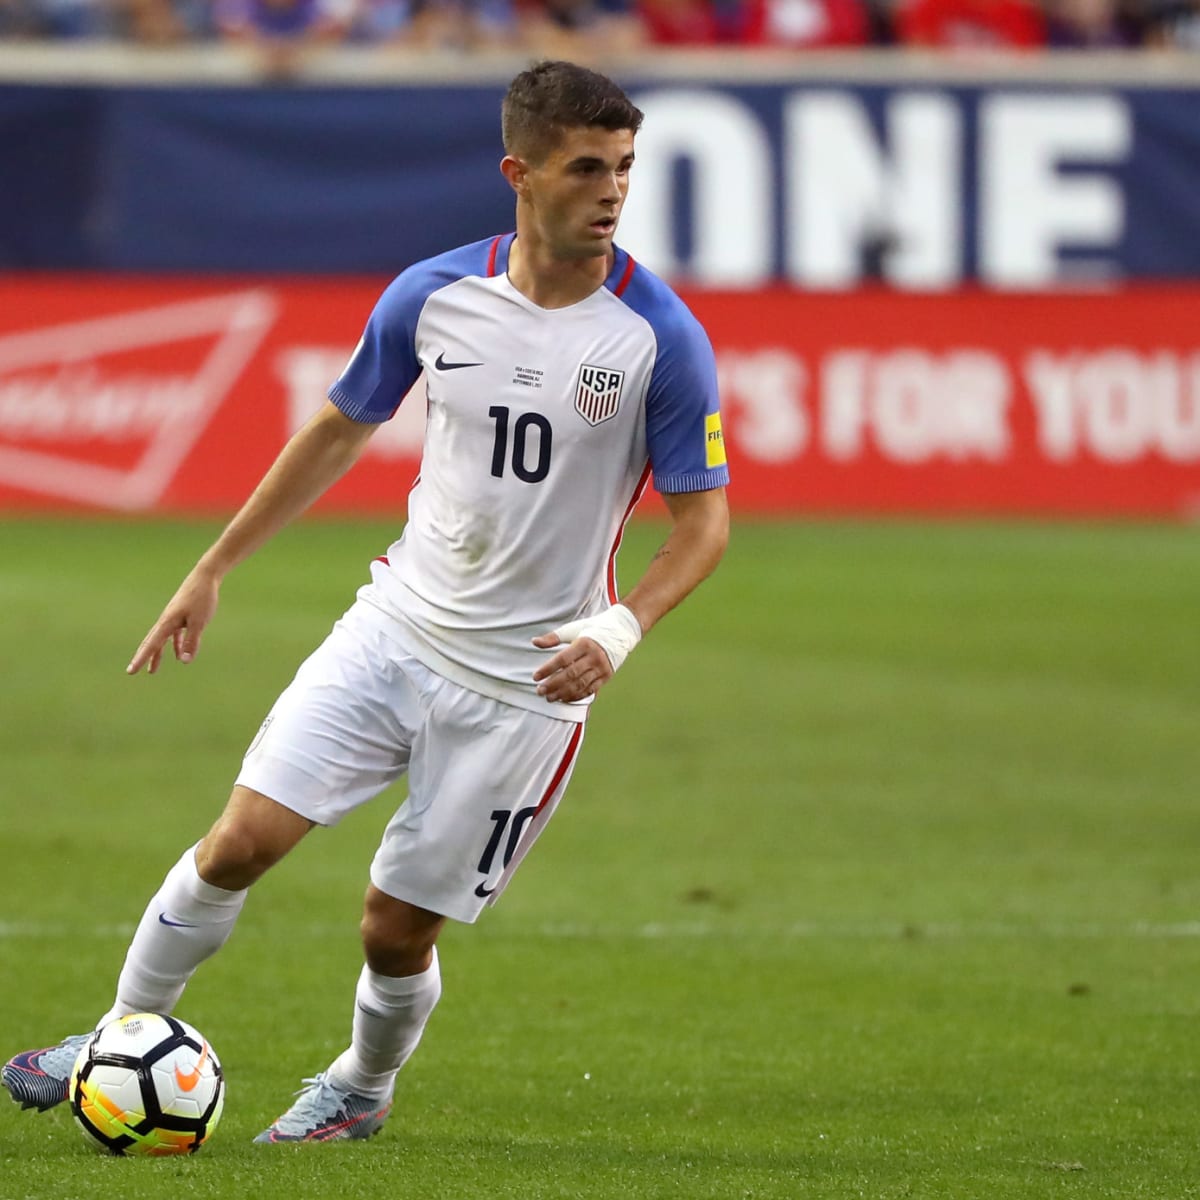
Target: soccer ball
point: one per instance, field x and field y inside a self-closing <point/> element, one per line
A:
<point x="147" y="1084"/>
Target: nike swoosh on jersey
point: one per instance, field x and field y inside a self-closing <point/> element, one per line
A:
<point x="443" y="365"/>
<point x="163" y="919"/>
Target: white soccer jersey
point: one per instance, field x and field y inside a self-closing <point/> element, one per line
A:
<point x="544" y="426"/>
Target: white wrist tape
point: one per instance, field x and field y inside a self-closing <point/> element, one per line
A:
<point x="615" y="630"/>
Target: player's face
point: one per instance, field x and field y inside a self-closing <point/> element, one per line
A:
<point x="576" y="193"/>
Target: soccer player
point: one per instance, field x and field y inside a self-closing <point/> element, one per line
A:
<point x="560" y="376"/>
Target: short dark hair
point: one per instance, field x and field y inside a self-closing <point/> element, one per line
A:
<point x="554" y="96"/>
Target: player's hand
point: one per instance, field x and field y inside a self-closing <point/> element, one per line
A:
<point x="182" y="623"/>
<point x="577" y="670"/>
<point x="594" y="648"/>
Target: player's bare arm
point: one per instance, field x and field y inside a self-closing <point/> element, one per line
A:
<point x="315" y="458"/>
<point x="694" y="547"/>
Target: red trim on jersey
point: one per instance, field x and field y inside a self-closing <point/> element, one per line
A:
<point x="572" y="747"/>
<point x="491" y="270"/>
<point x="383" y="559"/>
<point x="612" y="554"/>
<point x="626" y="276"/>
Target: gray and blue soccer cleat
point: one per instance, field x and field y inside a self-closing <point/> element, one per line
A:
<point x="38" y="1078"/>
<point x="327" y="1112"/>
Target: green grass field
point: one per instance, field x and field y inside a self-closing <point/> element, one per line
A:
<point x="878" y="878"/>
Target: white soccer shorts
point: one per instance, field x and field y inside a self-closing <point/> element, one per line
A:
<point x="484" y="777"/>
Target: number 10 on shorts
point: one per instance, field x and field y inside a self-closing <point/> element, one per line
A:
<point x="502" y="819"/>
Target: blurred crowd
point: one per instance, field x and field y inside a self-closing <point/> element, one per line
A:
<point x="283" y="29"/>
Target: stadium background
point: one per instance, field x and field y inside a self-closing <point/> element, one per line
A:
<point x="877" y="877"/>
<point x="933" y="285"/>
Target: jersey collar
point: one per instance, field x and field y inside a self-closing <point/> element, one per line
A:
<point x="617" y="281"/>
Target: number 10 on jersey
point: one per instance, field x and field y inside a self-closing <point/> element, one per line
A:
<point x="521" y="451"/>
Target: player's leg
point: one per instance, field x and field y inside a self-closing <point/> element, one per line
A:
<point x="188" y="919"/>
<point x="330" y="742"/>
<point x="483" y="780"/>
<point x="397" y="990"/>
<point x="192" y="915"/>
<point x="335" y="738"/>
<point x="398" y="987"/>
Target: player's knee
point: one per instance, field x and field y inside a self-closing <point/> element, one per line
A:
<point x="232" y="855"/>
<point x="250" y="836"/>
<point x="397" y="938"/>
<point x="392" y="951"/>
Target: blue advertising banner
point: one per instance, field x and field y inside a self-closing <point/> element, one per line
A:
<point x="819" y="184"/>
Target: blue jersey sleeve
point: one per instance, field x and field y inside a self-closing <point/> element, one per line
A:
<point x="683" y="414"/>
<point x="384" y="365"/>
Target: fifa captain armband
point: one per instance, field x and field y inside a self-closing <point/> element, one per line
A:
<point x="615" y="630"/>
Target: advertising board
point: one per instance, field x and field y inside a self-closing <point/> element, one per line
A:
<point x="174" y="396"/>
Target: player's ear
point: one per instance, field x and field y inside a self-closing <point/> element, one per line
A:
<point x="516" y="171"/>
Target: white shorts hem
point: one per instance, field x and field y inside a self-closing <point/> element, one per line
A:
<point x="288" y="785"/>
<point x="444" y="906"/>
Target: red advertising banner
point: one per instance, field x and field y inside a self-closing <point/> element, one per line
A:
<point x="174" y="396"/>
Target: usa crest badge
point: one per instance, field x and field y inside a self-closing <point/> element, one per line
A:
<point x="599" y="393"/>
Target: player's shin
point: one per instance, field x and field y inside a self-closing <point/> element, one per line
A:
<point x="389" y="1018"/>
<point x="185" y="922"/>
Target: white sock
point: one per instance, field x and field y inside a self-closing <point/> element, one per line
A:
<point x="389" y="1018"/>
<point x="185" y="922"/>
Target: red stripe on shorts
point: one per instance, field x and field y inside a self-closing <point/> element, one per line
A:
<point x="572" y="748"/>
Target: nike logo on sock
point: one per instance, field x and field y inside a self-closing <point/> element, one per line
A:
<point x="163" y="919"/>
<point x="371" y="1012"/>
<point x="443" y="365"/>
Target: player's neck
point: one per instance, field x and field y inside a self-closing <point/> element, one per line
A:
<point x="550" y="282"/>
